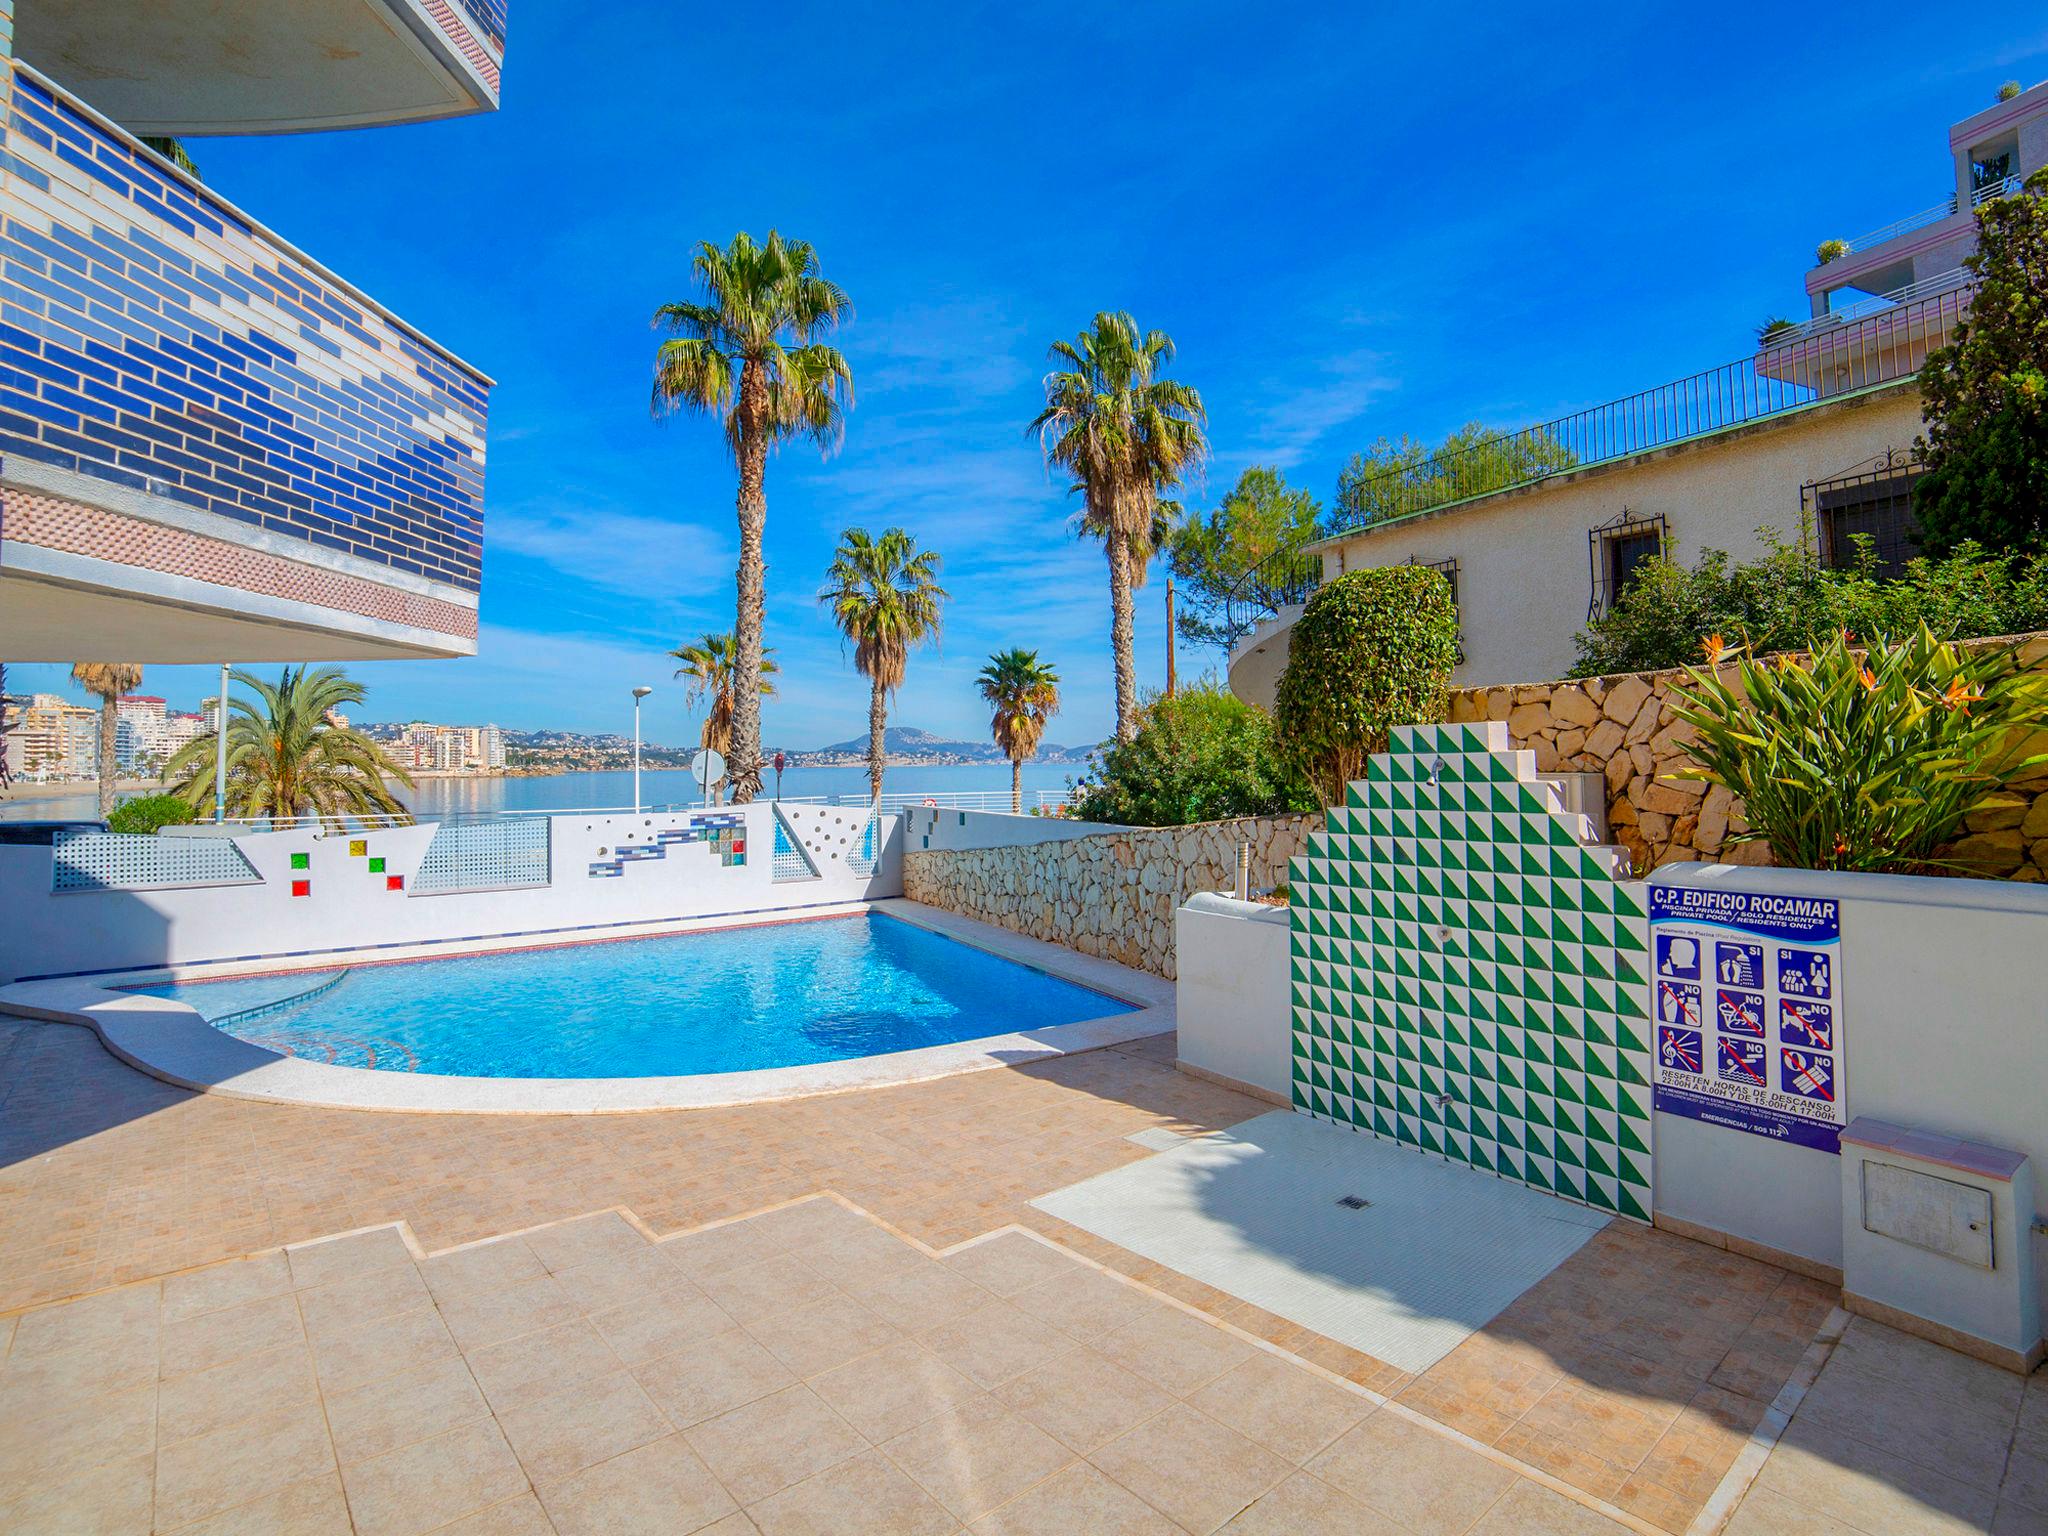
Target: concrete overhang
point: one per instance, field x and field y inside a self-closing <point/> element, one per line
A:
<point x="194" y="67"/>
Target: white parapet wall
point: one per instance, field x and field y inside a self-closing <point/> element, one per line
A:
<point x="109" y="904"/>
<point x="1231" y="993"/>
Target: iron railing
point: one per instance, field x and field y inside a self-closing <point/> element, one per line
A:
<point x="2004" y="186"/>
<point x="1283" y="578"/>
<point x="1927" y="287"/>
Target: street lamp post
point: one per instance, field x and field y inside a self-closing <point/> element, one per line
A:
<point x="638" y="695"/>
<point x="220" y="751"/>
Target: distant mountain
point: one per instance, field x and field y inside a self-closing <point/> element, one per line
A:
<point x="908" y="744"/>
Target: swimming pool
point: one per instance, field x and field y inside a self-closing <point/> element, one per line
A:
<point x="777" y="995"/>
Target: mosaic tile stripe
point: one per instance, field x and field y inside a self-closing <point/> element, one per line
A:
<point x="725" y="834"/>
<point x="150" y="336"/>
<point x="1467" y="978"/>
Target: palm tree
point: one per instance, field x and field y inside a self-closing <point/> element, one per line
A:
<point x="1125" y="434"/>
<point x="885" y="597"/>
<point x="286" y="758"/>
<point x="108" y="680"/>
<point x="709" y="664"/>
<point x="1026" y="694"/>
<point x="749" y="355"/>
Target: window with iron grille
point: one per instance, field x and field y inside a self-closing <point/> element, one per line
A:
<point x="1449" y="570"/>
<point x="1618" y="549"/>
<point x="1873" y="499"/>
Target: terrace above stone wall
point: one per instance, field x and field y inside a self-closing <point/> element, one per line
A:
<point x="1622" y="726"/>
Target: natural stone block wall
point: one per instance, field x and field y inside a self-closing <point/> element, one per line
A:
<point x="1113" y="894"/>
<point x="1622" y="726"/>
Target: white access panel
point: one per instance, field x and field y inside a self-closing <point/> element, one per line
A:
<point x="1937" y="1214"/>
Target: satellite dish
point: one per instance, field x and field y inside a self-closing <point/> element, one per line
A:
<point x="707" y="768"/>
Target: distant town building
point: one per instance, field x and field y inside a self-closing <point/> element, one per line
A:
<point x="430" y="748"/>
<point x="50" y="738"/>
<point x="139" y="728"/>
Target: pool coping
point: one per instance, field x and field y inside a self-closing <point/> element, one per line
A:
<point x="172" y="1041"/>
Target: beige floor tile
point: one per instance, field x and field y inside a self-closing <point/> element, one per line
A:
<point x="225" y="1285"/>
<point x="919" y="1296"/>
<point x="865" y="1495"/>
<point x="1530" y="1509"/>
<point x="111" y="1499"/>
<point x="894" y="1389"/>
<point x="357" y="1299"/>
<point x="1082" y="1399"/>
<point x="432" y="1482"/>
<point x="31" y="1385"/>
<point x="1010" y="1263"/>
<point x="861" y="1253"/>
<point x="1766" y="1513"/>
<point x="700" y="1255"/>
<point x="418" y="1404"/>
<point x="1307" y="1506"/>
<point x="382" y="1348"/>
<point x="2026" y="1473"/>
<point x="767" y="1288"/>
<point x="38" y="1443"/>
<point x="534" y="1364"/>
<point x="1959" y="1438"/>
<point x="661" y="1489"/>
<point x="216" y="1338"/>
<point x="1084" y="1302"/>
<point x="581" y="1425"/>
<point x="609" y="1282"/>
<point x="204" y="1401"/>
<point x="806" y="1223"/>
<point x="485" y="1267"/>
<point x="522" y="1516"/>
<point x="1197" y="1472"/>
<point x="1076" y="1499"/>
<point x="209" y="1473"/>
<point x="996" y="1343"/>
<point x="314" y="1507"/>
<point x="1424" y="1481"/>
<point x="679" y="1317"/>
<point x="480" y="1318"/>
<point x="1823" y="1470"/>
<point x="814" y="1339"/>
<point x="126" y="1320"/>
<point x="725" y="1372"/>
<point x="607" y="1235"/>
<point x="978" y="1457"/>
<point x="771" y="1443"/>
<point x="1285" y="1407"/>
<point x="1176" y="1351"/>
<point x="337" y="1258"/>
<point x="2014" y="1519"/>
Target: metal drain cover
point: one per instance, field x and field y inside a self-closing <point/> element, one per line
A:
<point x="1353" y="1202"/>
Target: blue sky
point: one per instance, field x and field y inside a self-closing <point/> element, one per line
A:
<point x="1352" y="224"/>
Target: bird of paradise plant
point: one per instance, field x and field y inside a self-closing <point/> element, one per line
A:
<point x="1869" y="760"/>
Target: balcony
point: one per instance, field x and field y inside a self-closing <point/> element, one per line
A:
<point x="210" y="445"/>
<point x="182" y="67"/>
<point x="2004" y="186"/>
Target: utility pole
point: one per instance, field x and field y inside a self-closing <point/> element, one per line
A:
<point x="1169" y="635"/>
<point x="220" y="752"/>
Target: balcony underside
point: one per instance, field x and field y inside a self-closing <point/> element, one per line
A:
<point x="183" y="67"/>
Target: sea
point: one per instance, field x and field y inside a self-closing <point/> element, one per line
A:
<point x="613" y="789"/>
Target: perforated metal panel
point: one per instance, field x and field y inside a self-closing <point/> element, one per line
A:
<point x="485" y="856"/>
<point x="139" y="861"/>
<point x="789" y="862"/>
<point x="861" y="860"/>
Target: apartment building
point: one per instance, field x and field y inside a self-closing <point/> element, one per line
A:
<point x="50" y="738"/>
<point x="1809" y="434"/>
<point x="212" y="445"/>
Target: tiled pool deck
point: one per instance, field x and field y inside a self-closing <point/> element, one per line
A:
<point x="818" y="1369"/>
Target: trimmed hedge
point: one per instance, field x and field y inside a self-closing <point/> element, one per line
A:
<point x="1374" y="649"/>
<point x="149" y="813"/>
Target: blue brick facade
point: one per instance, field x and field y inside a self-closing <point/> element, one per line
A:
<point x="489" y="17"/>
<point x="151" y="337"/>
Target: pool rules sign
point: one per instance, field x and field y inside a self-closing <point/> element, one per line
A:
<point x="1746" y="1010"/>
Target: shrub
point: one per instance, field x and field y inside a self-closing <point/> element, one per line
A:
<point x="1201" y="755"/>
<point x="1372" y="650"/>
<point x="2007" y="91"/>
<point x="1830" y="250"/>
<point x="1776" y="602"/>
<point x="148" y="813"/>
<point x="1863" y="761"/>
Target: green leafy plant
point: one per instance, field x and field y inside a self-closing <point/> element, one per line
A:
<point x="1372" y="650"/>
<point x="1830" y="250"/>
<point x="2007" y="91"/>
<point x="149" y="813"/>
<point x="1862" y="759"/>
<point x="1201" y="755"/>
<point x="1772" y="329"/>
<point x="1985" y="395"/>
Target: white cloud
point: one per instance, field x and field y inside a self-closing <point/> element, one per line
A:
<point x="608" y="548"/>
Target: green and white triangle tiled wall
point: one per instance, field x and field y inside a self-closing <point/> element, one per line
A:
<point x="1468" y="976"/>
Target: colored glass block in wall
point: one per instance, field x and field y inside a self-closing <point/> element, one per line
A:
<point x="357" y="847"/>
<point x="302" y="861"/>
<point x="394" y="882"/>
<point x="302" y="887"/>
<point x="377" y="865"/>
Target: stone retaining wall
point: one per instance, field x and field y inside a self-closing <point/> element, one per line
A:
<point x="1622" y="726"/>
<point x="1113" y="894"/>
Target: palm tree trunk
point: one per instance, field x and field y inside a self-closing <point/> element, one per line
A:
<point x="1120" y="639"/>
<point x="744" y="760"/>
<point x="108" y="767"/>
<point x="878" y="725"/>
<point x="1016" y="786"/>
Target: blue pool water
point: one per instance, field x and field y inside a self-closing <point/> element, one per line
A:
<point x="771" y="996"/>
